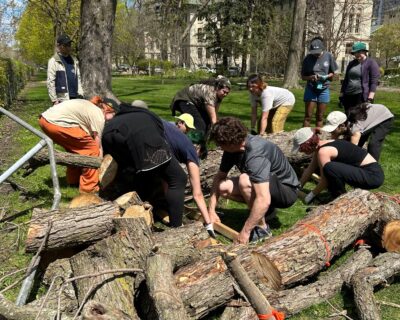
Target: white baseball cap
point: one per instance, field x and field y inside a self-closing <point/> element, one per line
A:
<point x="333" y="120"/>
<point x="301" y="136"/>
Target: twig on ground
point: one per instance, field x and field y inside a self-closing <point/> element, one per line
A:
<point x="11" y="285"/>
<point x="390" y="304"/>
<point x="15" y="226"/>
<point x="11" y="274"/>
<point x="87" y="295"/>
<point x="338" y="312"/>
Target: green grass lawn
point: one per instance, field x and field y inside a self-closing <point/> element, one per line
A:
<point x="157" y="93"/>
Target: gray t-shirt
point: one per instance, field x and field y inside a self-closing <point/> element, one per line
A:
<point x="322" y="65"/>
<point x="376" y="114"/>
<point x="260" y="159"/>
<point x="354" y="84"/>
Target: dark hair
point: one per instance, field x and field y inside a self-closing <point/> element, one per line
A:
<point x="317" y="38"/>
<point x="218" y="83"/>
<point x="228" y="131"/>
<point x="256" y="79"/>
<point x="310" y="145"/>
<point x="358" y="112"/>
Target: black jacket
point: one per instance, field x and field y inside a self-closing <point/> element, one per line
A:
<point x="135" y="139"/>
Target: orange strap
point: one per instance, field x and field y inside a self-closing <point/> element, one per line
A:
<point x="318" y="232"/>
<point x="274" y="313"/>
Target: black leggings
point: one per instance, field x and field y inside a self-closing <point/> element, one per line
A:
<point x="175" y="178"/>
<point x="366" y="177"/>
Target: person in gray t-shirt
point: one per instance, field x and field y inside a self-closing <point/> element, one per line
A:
<point x="267" y="180"/>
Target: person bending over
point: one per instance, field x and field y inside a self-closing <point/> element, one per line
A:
<point x="339" y="162"/>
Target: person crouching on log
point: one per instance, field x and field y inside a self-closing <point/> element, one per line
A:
<point x="77" y="126"/>
<point x="339" y="162"/>
<point x="135" y="138"/>
<point x="267" y="180"/>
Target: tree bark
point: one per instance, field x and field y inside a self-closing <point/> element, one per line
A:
<point x="294" y="300"/>
<point x="242" y="313"/>
<point x="128" y="248"/>
<point x="284" y="260"/>
<point x="10" y="311"/>
<point x="71" y="227"/>
<point x="97" y="26"/>
<point x="382" y="267"/>
<point x="165" y="297"/>
<point x="291" y="79"/>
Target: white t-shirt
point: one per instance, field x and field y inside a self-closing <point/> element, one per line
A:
<point x="273" y="97"/>
<point x="76" y="113"/>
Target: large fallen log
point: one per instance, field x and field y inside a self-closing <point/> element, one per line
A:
<point x="126" y="249"/>
<point x="382" y="267"/>
<point x="164" y="295"/>
<point x="285" y="260"/>
<point x="71" y="227"/>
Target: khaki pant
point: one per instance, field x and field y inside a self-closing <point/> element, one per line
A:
<point x="276" y="119"/>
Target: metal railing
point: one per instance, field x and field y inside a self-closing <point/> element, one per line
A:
<point x="27" y="284"/>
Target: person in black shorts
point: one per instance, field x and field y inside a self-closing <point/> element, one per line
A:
<point x="339" y="162"/>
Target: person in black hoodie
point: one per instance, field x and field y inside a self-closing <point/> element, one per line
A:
<point x="135" y="139"/>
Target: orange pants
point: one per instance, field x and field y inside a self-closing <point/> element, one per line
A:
<point x="75" y="140"/>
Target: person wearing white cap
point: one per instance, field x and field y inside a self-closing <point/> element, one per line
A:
<point x="339" y="162"/>
<point x="365" y="122"/>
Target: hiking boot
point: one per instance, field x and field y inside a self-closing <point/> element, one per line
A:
<point x="260" y="234"/>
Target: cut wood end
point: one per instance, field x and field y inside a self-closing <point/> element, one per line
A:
<point x="391" y="236"/>
<point x="85" y="200"/>
<point x="203" y="243"/>
<point x="128" y="199"/>
<point x="267" y="271"/>
<point x="137" y="211"/>
<point x="107" y="171"/>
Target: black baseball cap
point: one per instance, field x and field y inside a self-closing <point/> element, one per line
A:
<point x="64" y="39"/>
<point x="316" y="46"/>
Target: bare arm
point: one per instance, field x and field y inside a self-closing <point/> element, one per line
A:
<point x="263" y="122"/>
<point x="98" y="142"/>
<point x="212" y="204"/>
<point x="212" y="113"/>
<point x="194" y="177"/>
<point x="307" y="173"/>
<point x="355" y="138"/>
<point x="262" y="201"/>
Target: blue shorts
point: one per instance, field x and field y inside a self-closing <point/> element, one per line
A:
<point x="321" y="96"/>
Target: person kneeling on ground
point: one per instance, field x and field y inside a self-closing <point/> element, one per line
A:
<point x="339" y="162"/>
<point x="267" y="180"/>
<point x="365" y="122"/>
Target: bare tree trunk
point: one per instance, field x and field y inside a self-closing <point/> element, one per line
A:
<point x="97" y="26"/>
<point x="291" y="79"/>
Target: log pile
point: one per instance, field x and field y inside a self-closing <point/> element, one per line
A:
<point x="127" y="271"/>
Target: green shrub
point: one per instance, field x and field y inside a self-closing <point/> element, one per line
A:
<point x="392" y="71"/>
<point x="13" y="76"/>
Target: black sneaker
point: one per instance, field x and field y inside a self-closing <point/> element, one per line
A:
<point x="260" y="234"/>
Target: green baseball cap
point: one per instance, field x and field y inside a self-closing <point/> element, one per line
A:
<point x="359" y="46"/>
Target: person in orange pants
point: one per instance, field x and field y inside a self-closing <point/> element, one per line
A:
<point x="77" y="126"/>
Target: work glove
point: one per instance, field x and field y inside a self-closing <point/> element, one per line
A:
<point x="309" y="197"/>
<point x="210" y="229"/>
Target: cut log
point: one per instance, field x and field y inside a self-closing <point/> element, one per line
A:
<point x="282" y="261"/>
<point x="128" y="199"/>
<point x="294" y="300"/>
<point x="239" y="312"/>
<point x="382" y="267"/>
<point x="137" y="211"/>
<point x="165" y="297"/>
<point x="391" y="236"/>
<point x="84" y="200"/>
<point x="107" y="171"/>
<point x="253" y="294"/>
<point x="183" y="244"/>
<point x="127" y="248"/>
<point x="71" y="227"/>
